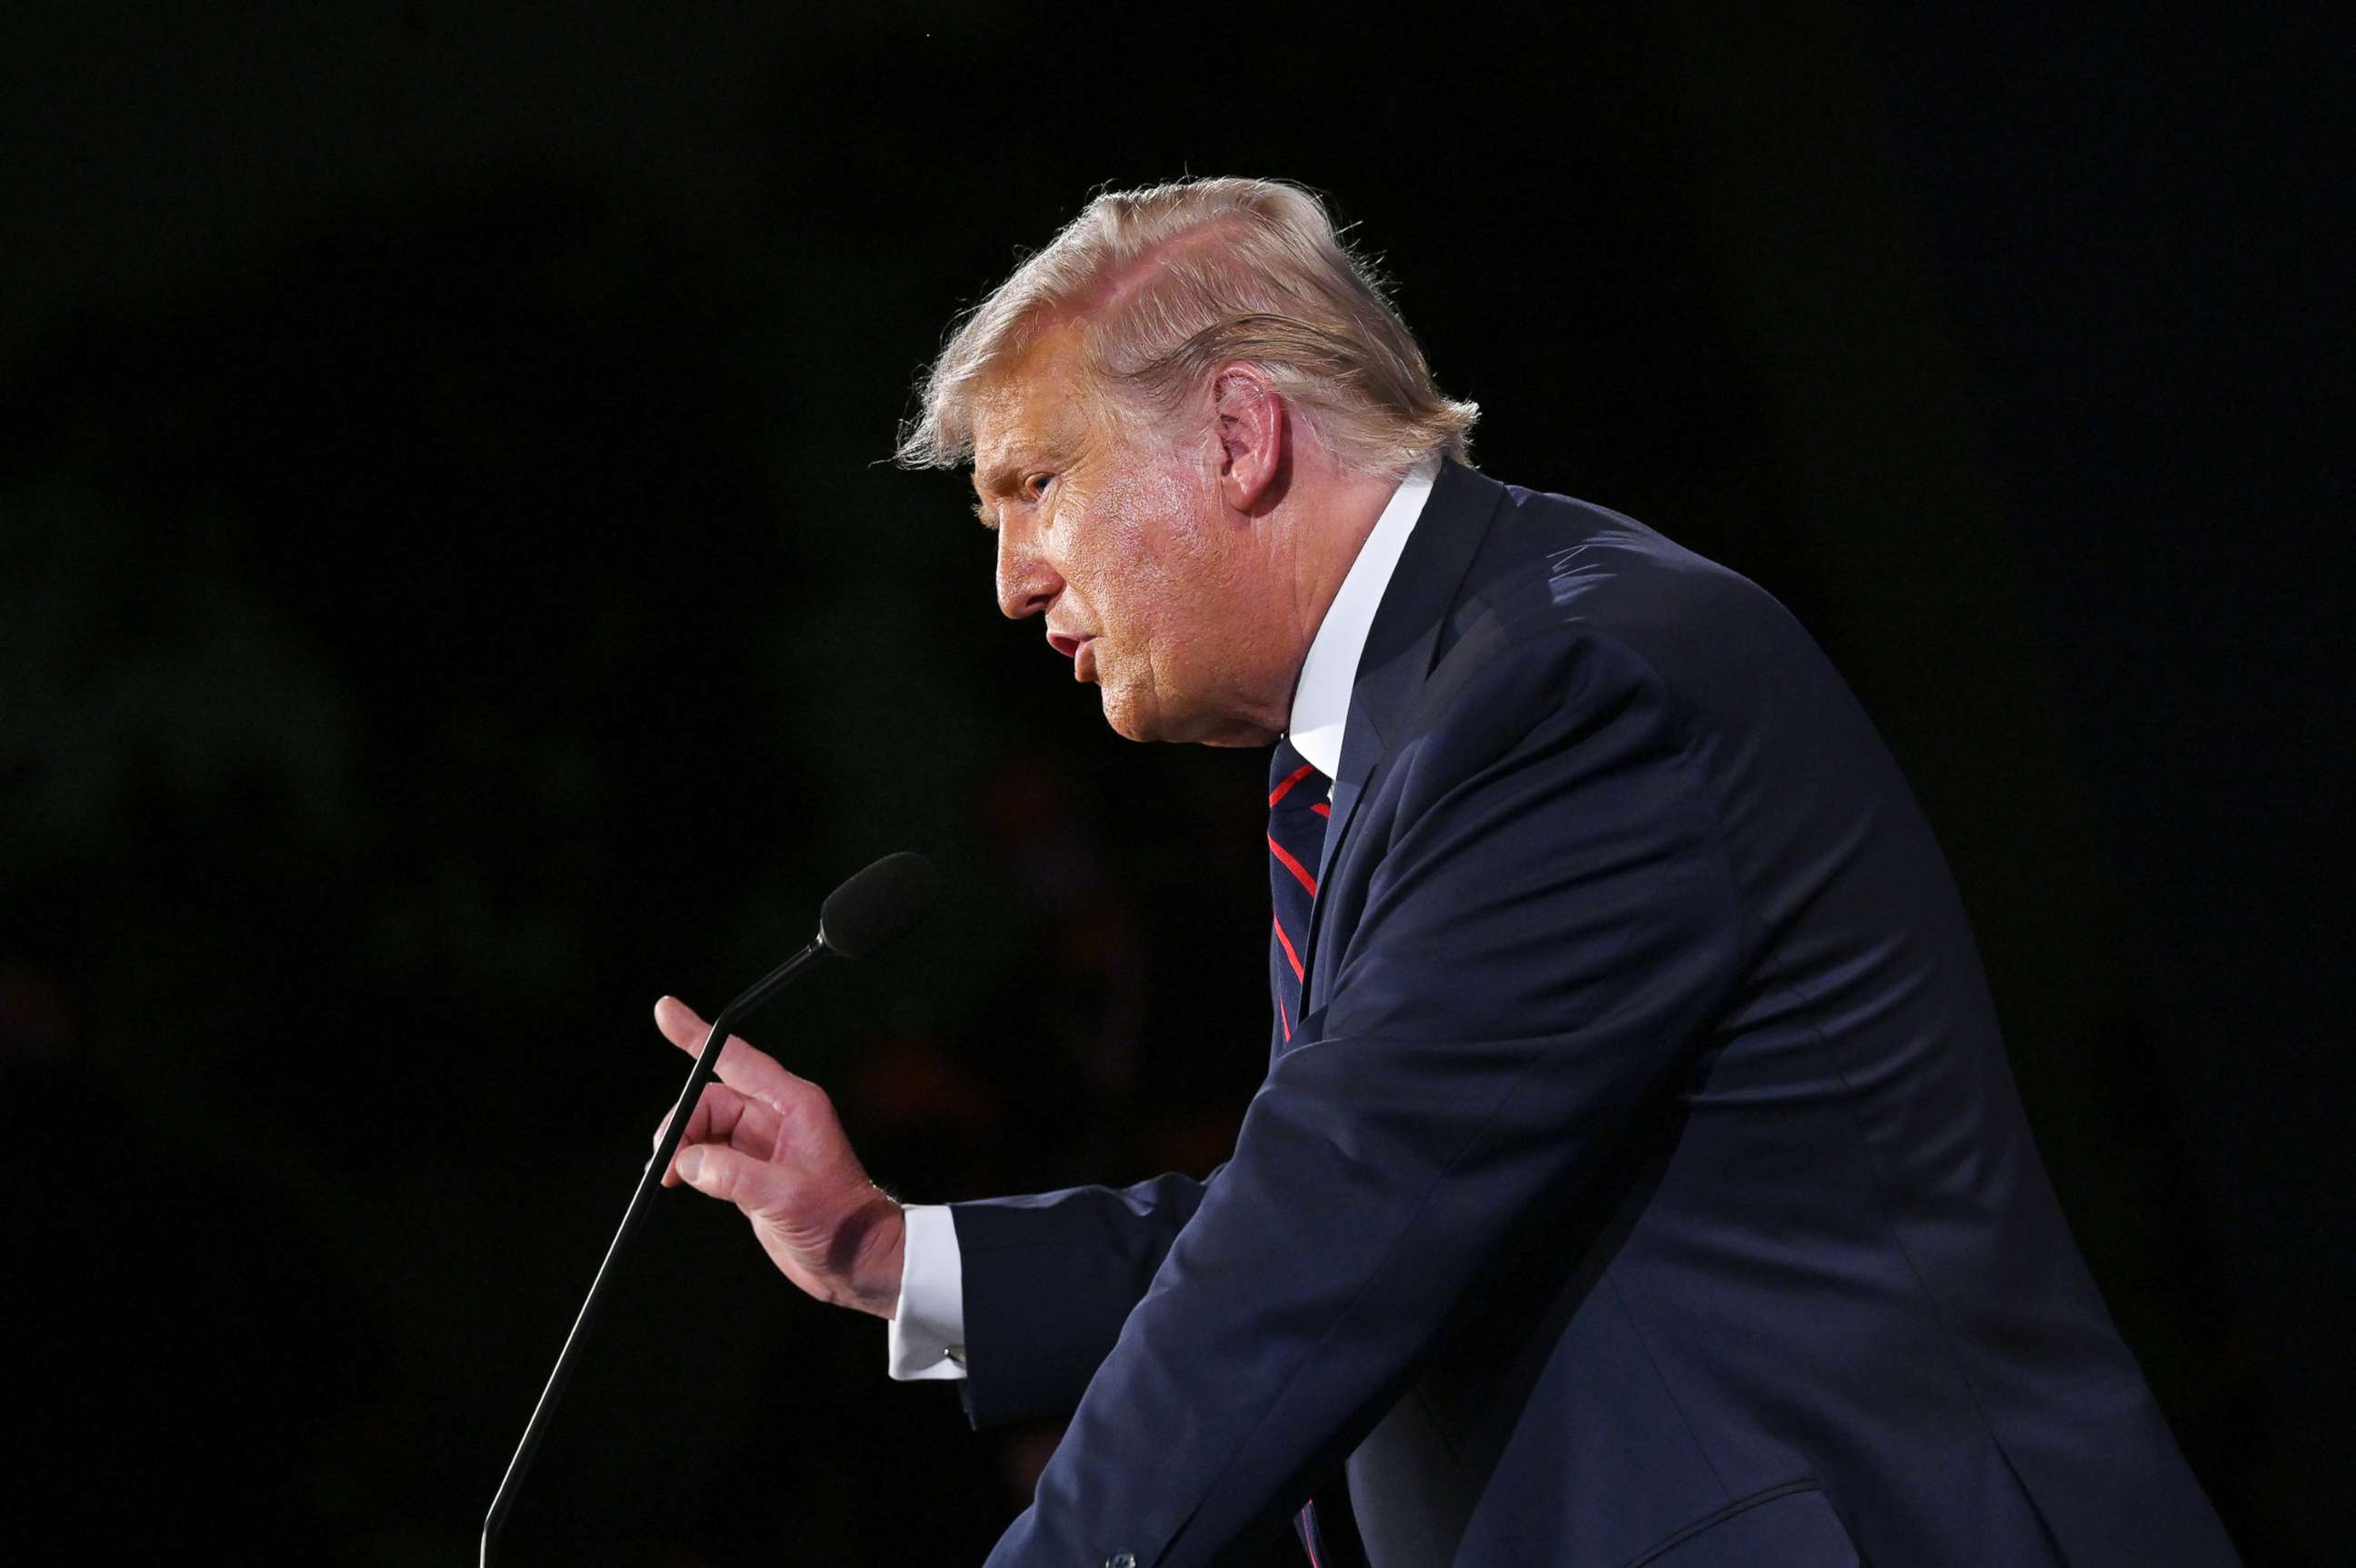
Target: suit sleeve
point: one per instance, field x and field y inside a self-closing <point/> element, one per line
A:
<point x="1048" y="1280"/>
<point x="1549" y="934"/>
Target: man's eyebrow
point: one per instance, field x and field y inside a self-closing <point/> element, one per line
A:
<point x="984" y="481"/>
<point x="1001" y="476"/>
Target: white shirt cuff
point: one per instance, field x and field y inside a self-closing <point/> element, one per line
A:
<point x="926" y="1337"/>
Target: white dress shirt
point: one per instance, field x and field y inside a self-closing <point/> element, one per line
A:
<point x="926" y="1338"/>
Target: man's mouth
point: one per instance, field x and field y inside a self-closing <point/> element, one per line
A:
<point x="1073" y="645"/>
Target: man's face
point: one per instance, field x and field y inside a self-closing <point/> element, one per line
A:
<point x="1113" y="531"/>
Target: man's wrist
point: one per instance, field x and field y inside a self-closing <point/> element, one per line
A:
<point x="878" y="1254"/>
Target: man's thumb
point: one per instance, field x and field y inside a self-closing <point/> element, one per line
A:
<point x="731" y="1176"/>
<point x="722" y="1173"/>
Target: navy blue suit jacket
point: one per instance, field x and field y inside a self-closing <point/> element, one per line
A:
<point x="1643" y="1182"/>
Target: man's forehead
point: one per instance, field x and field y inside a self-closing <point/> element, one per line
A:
<point x="1004" y="442"/>
<point x="1032" y="406"/>
<point x="1007" y="415"/>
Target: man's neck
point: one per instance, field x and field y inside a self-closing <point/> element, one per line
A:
<point x="1326" y="539"/>
<point x="1321" y="691"/>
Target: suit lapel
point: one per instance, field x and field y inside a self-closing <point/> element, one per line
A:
<point x="1400" y="648"/>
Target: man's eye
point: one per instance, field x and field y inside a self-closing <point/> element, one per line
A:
<point x="1036" y="485"/>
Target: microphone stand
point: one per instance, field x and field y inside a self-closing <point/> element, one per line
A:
<point x="707" y="1063"/>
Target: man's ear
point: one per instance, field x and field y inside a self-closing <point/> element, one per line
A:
<point x="1254" y="438"/>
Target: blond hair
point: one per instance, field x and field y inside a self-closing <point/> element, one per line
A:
<point x="1170" y="282"/>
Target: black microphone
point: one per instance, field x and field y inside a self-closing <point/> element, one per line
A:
<point x="872" y="910"/>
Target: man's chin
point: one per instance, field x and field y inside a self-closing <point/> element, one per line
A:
<point x="1134" y="712"/>
<point x="1128" y="717"/>
<point x="1135" y="719"/>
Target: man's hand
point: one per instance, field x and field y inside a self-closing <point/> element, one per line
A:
<point x="768" y="1143"/>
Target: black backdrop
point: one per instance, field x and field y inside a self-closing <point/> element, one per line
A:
<point x="452" y="592"/>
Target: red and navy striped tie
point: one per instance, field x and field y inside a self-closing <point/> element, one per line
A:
<point x="1297" y="812"/>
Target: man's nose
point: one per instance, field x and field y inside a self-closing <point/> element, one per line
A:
<point x="1027" y="583"/>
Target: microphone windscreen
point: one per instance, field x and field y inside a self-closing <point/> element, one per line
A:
<point x="879" y="906"/>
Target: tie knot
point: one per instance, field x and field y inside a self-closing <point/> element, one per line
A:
<point x="1293" y="780"/>
<point x="1297" y="815"/>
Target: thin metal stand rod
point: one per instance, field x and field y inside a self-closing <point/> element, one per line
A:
<point x="707" y="1063"/>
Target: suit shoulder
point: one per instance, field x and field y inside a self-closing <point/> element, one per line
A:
<point x="1561" y="584"/>
<point x="1555" y="565"/>
<point x="1586" y="561"/>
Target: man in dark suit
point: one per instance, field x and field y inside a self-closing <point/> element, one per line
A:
<point x="1638" y="1177"/>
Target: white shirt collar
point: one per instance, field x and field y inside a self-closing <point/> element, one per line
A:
<point x="1321" y="699"/>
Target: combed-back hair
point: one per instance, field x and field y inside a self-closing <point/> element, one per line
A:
<point x="1170" y="282"/>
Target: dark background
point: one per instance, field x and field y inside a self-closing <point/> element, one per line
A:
<point x="452" y="592"/>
